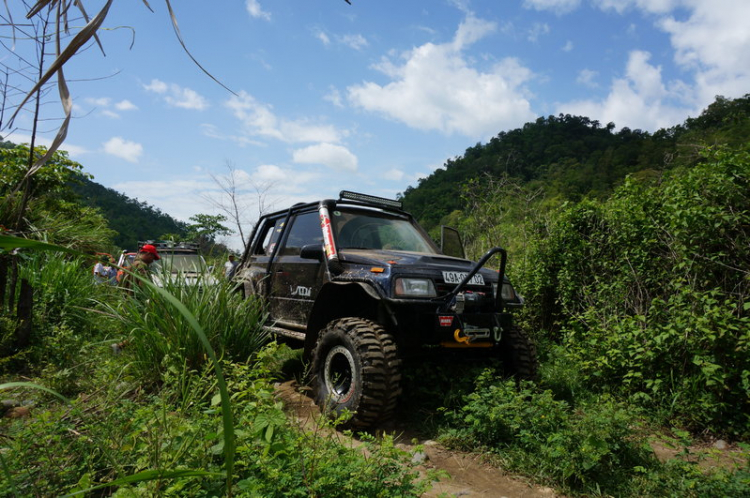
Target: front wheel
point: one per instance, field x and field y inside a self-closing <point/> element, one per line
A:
<point x="355" y="367"/>
<point x="519" y="354"/>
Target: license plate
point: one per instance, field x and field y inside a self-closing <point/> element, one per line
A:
<point x="455" y="277"/>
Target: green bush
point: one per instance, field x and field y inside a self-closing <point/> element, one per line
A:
<point x="652" y="291"/>
<point x="158" y="337"/>
<point x="592" y="447"/>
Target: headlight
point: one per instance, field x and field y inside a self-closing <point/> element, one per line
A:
<point x="509" y="294"/>
<point x="415" y="287"/>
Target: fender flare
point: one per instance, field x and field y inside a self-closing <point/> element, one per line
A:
<point x="324" y="311"/>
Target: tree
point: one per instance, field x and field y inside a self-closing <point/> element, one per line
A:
<point x="206" y="228"/>
<point x="234" y="199"/>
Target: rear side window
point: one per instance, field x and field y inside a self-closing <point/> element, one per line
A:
<point x="269" y="236"/>
<point x="305" y="230"/>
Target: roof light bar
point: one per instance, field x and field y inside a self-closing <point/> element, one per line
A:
<point x="370" y="199"/>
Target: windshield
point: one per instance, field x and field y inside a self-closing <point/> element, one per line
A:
<point x="371" y="230"/>
<point x="182" y="263"/>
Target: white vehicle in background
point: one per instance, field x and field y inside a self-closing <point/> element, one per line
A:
<point x="180" y="263"/>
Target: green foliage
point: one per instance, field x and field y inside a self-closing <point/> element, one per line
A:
<point x="592" y="446"/>
<point x="63" y="288"/>
<point x="51" y="179"/>
<point x="652" y="287"/>
<point x="51" y="212"/>
<point x="171" y="449"/>
<point x="159" y="338"/>
<point x="62" y="320"/>
<point x="205" y="229"/>
<point x="582" y="450"/>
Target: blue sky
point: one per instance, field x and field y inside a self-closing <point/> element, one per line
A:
<point x="370" y="96"/>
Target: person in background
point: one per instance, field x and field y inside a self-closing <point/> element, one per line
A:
<point x="230" y="267"/>
<point x="101" y="275"/>
<point x="111" y="272"/>
<point x="146" y="255"/>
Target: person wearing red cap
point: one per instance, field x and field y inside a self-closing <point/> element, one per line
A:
<point x="143" y="260"/>
<point x="146" y="255"/>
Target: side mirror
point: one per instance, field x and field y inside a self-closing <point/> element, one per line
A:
<point x="450" y="242"/>
<point x="312" y="251"/>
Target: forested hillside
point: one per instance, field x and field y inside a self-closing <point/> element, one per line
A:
<point x="572" y="157"/>
<point x="133" y="220"/>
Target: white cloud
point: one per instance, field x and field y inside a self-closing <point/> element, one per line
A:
<point x="556" y="6"/>
<point x="255" y="10"/>
<point x="715" y="43"/>
<point x="639" y="100"/>
<point x="538" y="29"/>
<point x="711" y="45"/>
<point x="568" y="47"/>
<point x="213" y="131"/>
<point x="72" y="149"/>
<point x="587" y="77"/>
<point x="437" y="88"/>
<point x="178" y="96"/>
<point x="281" y="180"/>
<point x="124" y="149"/>
<point x="270" y="173"/>
<point x="125" y="105"/>
<point x="107" y="108"/>
<point x="99" y="101"/>
<point x="333" y="156"/>
<point x="357" y="42"/>
<point x="334" y="97"/>
<point x="650" y="6"/>
<point x="259" y="119"/>
<point x="323" y="37"/>
<point x="156" y="86"/>
<point x="394" y="174"/>
<point x="471" y="30"/>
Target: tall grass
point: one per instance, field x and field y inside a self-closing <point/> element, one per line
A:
<point x="169" y="305"/>
<point x="159" y="339"/>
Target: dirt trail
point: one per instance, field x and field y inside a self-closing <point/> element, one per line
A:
<point x="469" y="475"/>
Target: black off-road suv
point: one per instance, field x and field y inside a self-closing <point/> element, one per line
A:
<point x="364" y="286"/>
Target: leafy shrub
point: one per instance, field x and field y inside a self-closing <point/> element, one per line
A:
<point x="585" y="449"/>
<point x="652" y="290"/>
<point x="688" y="356"/>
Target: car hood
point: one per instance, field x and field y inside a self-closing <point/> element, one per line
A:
<point x="410" y="261"/>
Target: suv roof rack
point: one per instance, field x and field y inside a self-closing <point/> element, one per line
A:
<point x="169" y="245"/>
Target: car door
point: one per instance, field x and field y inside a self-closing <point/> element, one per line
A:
<point x="296" y="281"/>
<point x="254" y="272"/>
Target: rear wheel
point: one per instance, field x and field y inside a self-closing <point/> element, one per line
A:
<point x="355" y="367"/>
<point x="519" y="354"/>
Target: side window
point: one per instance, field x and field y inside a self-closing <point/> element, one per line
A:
<point x="305" y="230"/>
<point x="269" y="236"/>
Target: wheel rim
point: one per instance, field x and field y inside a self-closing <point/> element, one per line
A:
<point x="340" y="374"/>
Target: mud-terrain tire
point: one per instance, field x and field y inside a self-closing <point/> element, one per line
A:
<point x="518" y="354"/>
<point x="355" y="367"/>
